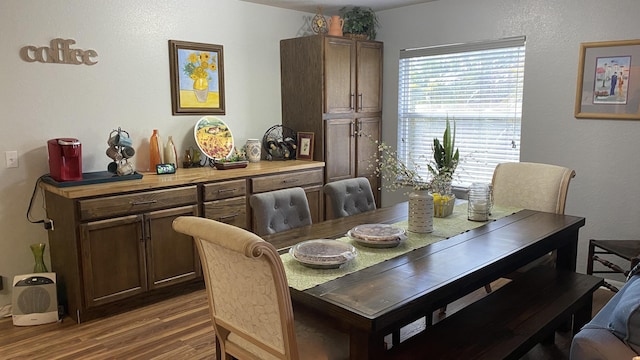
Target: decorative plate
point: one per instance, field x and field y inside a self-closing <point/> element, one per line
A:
<point x="323" y="253"/>
<point x="213" y="137"/>
<point x="377" y="235"/>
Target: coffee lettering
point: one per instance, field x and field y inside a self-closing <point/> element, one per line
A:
<point x="58" y="52"/>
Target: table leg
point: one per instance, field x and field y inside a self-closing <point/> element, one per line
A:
<point x="365" y="346"/>
<point x="567" y="254"/>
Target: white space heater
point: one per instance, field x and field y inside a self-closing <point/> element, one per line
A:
<point x="35" y="299"/>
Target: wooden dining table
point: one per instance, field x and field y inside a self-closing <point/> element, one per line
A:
<point x="378" y="300"/>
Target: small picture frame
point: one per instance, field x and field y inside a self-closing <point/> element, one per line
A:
<point x="305" y="146"/>
<point x="197" y="78"/>
<point x="608" y="80"/>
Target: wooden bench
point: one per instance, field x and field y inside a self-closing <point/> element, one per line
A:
<point x="507" y="323"/>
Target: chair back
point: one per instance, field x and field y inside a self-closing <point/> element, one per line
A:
<point x="350" y="196"/>
<point x="280" y="210"/>
<point x="534" y="186"/>
<point x="247" y="288"/>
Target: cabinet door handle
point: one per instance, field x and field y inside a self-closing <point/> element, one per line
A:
<point x="294" y="180"/>
<point x="351" y="101"/>
<point x="226" y="190"/>
<point x="359" y="128"/>
<point x="147" y="202"/>
<point x="360" y="102"/>
<point x="227" y="217"/>
<point x="352" y="129"/>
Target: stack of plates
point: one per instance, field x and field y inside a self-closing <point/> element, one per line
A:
<point x="377" y="235"/>
<point x="323" y="253"/>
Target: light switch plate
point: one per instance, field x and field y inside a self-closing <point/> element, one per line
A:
<point x="11" y="158"/>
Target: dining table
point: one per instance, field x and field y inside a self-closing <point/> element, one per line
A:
<point x="383" y="290"/>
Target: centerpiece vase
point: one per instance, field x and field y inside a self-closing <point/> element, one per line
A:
<point x="420" y="212"/>
<point x="38" y="255"/>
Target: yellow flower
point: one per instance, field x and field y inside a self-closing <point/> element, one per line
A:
<point x="213" y="67"/>
<point x="193" y="57"/>
<point x="204" y="57"/>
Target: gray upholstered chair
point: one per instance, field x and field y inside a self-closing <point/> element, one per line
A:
<point x="249" y="299"/>
<point x="280" y="210"/>
<point x="350" y="196"/>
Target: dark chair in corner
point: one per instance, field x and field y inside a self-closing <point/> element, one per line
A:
<point x="350" y="196"/>
<point x="280" y="210"/>
<point x="249" y="301"/>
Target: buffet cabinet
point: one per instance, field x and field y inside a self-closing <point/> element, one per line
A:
<point x="113" y="246"/>
<point x="332" y="86"/>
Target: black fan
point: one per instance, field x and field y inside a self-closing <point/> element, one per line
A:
<point x="280" y="143"/>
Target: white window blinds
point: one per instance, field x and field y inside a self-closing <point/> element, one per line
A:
<point x="479" y="87"/>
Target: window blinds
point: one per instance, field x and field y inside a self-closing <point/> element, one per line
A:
<point x="478" y="86"/>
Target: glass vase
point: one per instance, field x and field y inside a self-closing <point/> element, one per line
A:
<point x="420" y="212"/>
<point x="38" y="255"/>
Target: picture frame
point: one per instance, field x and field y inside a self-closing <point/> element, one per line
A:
<point x="608" y="84"/>
<point x="197" y="78"/>
<point x="305" y="146"/>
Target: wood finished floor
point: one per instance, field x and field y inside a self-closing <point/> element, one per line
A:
<point x="175" y="329"/>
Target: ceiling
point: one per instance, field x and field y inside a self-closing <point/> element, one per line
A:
<point x="332" y="6"/>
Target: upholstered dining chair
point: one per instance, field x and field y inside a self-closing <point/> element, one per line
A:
<point x="249" y="300"/>
<point x="350" y="196"/>
<point x="280" y="210"/>
<point x="534" y="186"/>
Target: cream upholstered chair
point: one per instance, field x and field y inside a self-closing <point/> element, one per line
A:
<point x="280" y="210"/>
<point x="350" y="196"/>
<point x="249" y="298"/>
<point x="534" y="186"/>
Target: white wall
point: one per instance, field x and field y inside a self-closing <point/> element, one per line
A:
<point x="128" y="88"/>
<point x="602" y="152"/>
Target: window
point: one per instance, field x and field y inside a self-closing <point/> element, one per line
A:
<point x="478" y="86"/>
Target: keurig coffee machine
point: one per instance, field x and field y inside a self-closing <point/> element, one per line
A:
<point x="65" y="159"/>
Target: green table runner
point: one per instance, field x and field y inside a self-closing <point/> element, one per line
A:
<point x="301" y="277"/>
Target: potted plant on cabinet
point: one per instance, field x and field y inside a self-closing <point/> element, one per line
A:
<point x="359" y="22"/>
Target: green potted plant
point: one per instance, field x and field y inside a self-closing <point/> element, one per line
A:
<point x="359" y="21"/>
<point x="446" y="158"/>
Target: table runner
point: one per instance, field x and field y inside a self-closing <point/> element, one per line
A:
<point x="302" y="278"/>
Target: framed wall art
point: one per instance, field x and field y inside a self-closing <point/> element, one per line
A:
<point x="197" y="78"/>
<point x="609" y="80"/>
<point x="305" y="146"/>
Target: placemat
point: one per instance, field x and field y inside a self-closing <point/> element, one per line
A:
<point x="301" y="277"/>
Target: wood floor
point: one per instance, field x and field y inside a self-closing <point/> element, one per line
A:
<point x="175" y="329"/>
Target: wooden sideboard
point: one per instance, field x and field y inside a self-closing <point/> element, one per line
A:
<point x="112" y="245"/>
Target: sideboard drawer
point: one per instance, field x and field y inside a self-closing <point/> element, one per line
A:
<point x="225" y="189"/>
<point x="127" y="204"/>
<point x="288" y="180"/>
<point x="230" y="211"/>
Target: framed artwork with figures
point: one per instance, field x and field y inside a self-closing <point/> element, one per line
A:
<point x="197" y="78"/>
<point x="609" y="80"/>
<point x="305" y="145"/>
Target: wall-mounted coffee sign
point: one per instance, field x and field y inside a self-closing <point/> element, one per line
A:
<point x="58" y="52"/>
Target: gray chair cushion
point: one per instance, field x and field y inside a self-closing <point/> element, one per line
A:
<point x="625" y="319"/>
<point x="280" y="210"/>
<point x="350" y="196"/>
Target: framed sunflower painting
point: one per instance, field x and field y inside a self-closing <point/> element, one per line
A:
<point x="197" y="78"/>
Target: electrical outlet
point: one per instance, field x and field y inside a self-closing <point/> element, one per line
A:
<point x="11" y="158"/>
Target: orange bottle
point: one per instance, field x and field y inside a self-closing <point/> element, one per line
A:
<point x="154" y="151"/>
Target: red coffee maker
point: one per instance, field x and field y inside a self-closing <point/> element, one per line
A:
<point x="65" y="159"/>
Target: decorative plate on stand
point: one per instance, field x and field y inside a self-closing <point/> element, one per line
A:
<point x="213" y="137"/>
<point x="319" y="23"/>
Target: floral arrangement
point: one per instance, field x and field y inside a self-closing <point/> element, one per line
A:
<point x="197" y="67"/>
<point x="397" y="174"/>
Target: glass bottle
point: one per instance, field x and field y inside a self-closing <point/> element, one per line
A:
<point x="186" y="161"/>
<point x="170" y="155"/>
<point x="38" y="255"/>
<point x="154" y="151"/>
